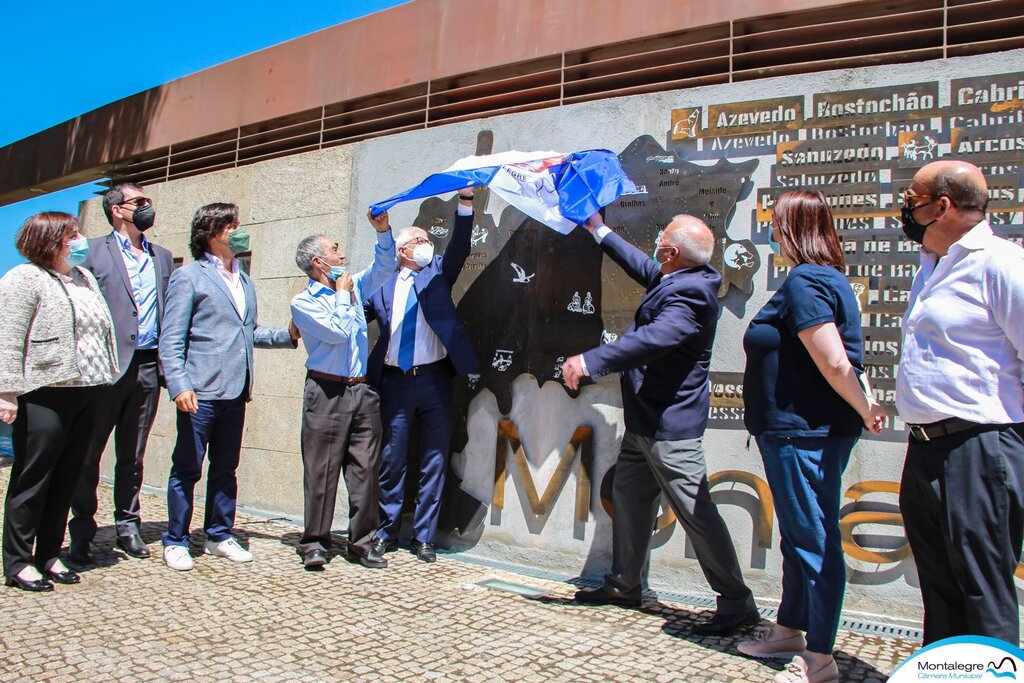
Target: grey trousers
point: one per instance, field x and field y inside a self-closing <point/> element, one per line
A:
<point x="647" y="468"/>
<point x="341" y="432"/>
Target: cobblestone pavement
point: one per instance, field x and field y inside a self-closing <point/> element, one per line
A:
<point x="136" y="620"/>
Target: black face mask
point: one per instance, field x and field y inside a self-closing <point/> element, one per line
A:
<point x="144" y="217"/>
<point x="911" y="228"/>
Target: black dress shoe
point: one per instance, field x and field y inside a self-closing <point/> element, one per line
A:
<point x="371" y="559"/>
<point x="607" y="595"/>
<point x="65" y="577"/>
<point x="382" y="546"/>
<point x="80" y="553"/>
<point x="424" y="551"/>
<point x="314" y="558"/>
<point x="721" y="624"/>
<point x="37" y="586"/>
<point x="133" y="545"/>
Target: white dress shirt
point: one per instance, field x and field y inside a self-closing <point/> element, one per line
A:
<point x="233" y="279"/>
<point x="963" y="334"/>
<point x="428" y="347"/>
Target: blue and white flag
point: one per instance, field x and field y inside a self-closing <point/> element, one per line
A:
<point x="559" y="190"/>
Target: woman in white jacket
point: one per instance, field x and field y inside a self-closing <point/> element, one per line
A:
<point x="57" y="347"/>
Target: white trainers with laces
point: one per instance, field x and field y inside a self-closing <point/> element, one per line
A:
<point x="177" y="557"/>
<point x="228" y="548"/>
<point x="799" y="671"/>
<point x="765" y="646"/>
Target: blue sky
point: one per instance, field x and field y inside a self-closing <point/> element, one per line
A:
<point x="63" y="58"/>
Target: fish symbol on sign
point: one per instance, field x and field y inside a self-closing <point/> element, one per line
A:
<point x="521" y="275"/>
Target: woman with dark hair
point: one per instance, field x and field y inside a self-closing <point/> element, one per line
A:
<point x="57" y="347"/>
<point x="806" y="401"/>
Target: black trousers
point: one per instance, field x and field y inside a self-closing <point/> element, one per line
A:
<point x="962" y="499"/>
<point x="341" y="433"/>
<point x="127" y="408"/>
<point x="51" y="433"/>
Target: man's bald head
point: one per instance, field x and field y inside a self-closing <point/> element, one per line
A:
<point x="962" y="182"/>
<point x="693" y="238"/>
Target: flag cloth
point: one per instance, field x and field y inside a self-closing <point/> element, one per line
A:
<point x="559" y="190"/>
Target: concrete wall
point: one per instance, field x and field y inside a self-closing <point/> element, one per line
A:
<point x="285" y="199"/>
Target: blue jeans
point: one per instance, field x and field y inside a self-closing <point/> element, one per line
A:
<point x="219" y="425"/>
<point x="805" y="475"/>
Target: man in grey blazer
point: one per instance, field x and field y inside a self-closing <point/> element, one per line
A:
<point x="206" y="348"/>
<point x="132" y="273"/>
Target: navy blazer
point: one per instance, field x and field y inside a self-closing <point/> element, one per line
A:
<point x="107" y="264"/>
<point x="665" y="355"/>
<point x="433" y="285"/>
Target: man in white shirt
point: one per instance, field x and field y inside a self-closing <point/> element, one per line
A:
<point x="959" y="389"/>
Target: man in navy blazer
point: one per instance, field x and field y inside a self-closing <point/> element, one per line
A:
<point x="664" y="358"/>
<point x="132" y="273"/>
<point x="422" y="345"/>
<point x="206" y="347"/>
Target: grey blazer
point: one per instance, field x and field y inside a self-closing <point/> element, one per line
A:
<point x="205" y="346"/>
<point x="107" y="264"/>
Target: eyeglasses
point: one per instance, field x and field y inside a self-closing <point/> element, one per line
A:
<point x="138" y="202"/>
<point x="417" y="241"/>
<point x="908" y="197"/>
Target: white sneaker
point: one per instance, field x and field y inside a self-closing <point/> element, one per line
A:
<point x="177" y="557"/>
<point x="228" y="548"/>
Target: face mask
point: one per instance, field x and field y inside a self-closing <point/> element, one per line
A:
<point x="78" y="252"/>
<point x="144" y="217"/>
<point x="776" y="247"/>
<point x="238" y="241"/>
<point x="422" y="254"/>
<point x="911" y="228"/>
<point x="335" y="272"/>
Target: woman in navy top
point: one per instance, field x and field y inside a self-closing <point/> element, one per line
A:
<point x="805" y="404"/>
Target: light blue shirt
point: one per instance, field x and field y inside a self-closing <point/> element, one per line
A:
<point x="333" y="324"/>
<point x="142" y="275"/>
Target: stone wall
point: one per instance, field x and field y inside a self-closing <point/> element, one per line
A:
<point x="327" y="191"/>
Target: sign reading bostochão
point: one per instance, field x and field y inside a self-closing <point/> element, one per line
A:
<point x="861" y="148"/>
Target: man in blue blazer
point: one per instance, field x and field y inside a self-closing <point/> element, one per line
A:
<point x="422" y="345"/>
<point x="209" y="331"/>
<point x="664" y="358"/>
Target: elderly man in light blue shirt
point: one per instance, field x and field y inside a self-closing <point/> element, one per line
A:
<point x="341" y="429"/>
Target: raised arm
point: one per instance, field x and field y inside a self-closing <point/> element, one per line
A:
<point x="457" y="252"/>
<point x="638" y="265"/>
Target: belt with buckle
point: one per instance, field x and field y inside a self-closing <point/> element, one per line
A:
<point x="351" y="381"/>
<point x="937" y="430"/>
<point x="427" y="368"/>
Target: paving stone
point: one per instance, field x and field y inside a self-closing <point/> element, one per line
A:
<point x="136" y="620"/>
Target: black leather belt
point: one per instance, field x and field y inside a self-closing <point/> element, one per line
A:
<point x="351" y="381"/>
<point x="436" y="366"/>
<point x="937" y="430"/>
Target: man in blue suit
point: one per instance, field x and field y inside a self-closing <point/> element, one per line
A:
<point x="422" y="345"/>
<point x="664" y="358"/>
<point x="206" y="342"/>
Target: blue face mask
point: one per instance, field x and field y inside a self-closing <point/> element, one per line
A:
<point x="78" y="252"/>
<point x="336" y="272"/>
<point x="776" y="247"/>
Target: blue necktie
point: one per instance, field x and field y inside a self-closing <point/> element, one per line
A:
<point x="407" y="343"/>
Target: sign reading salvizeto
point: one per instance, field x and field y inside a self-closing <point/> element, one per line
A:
<point x="861" y="148"/>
